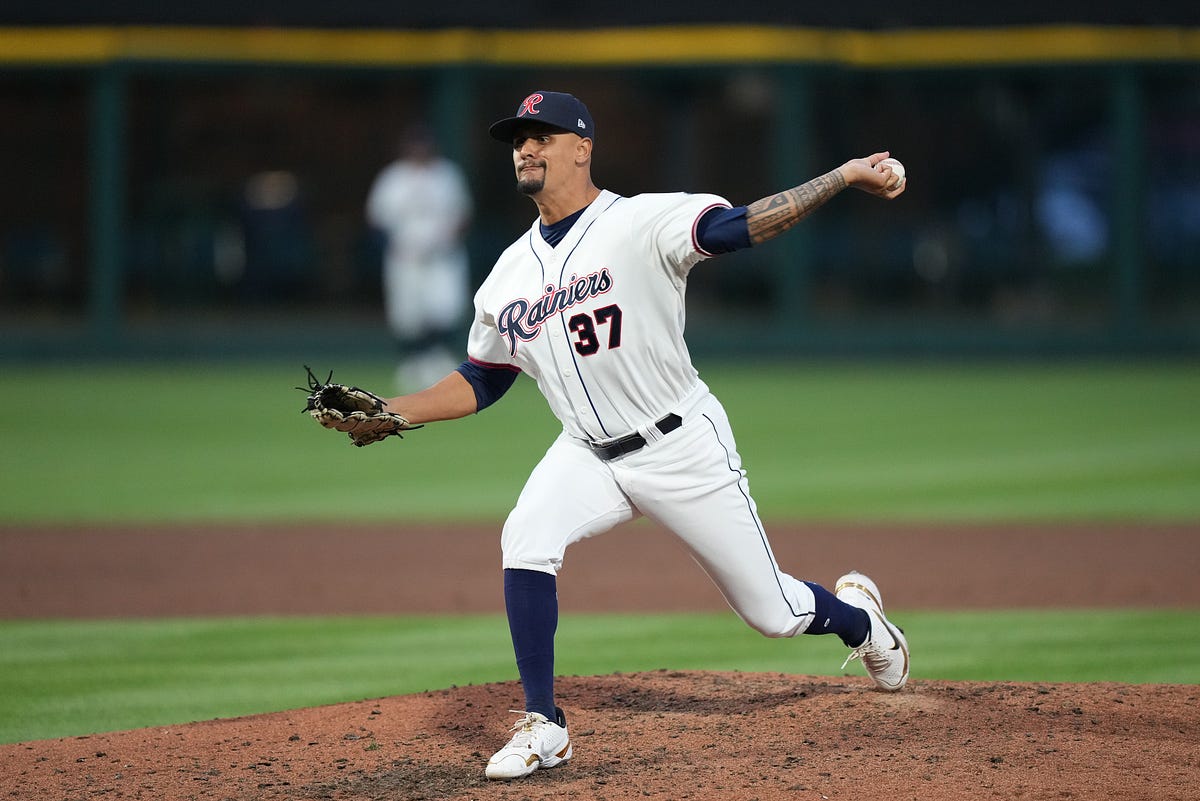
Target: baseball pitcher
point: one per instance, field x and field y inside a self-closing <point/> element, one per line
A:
<point x="589" y="302"/>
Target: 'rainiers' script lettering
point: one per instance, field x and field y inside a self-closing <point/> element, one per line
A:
<point x="522" y="320"/>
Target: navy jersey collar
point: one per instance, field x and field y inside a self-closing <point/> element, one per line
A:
<point x="553" y="234"/>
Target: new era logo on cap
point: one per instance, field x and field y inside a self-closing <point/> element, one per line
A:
<point x="558" y="109"/>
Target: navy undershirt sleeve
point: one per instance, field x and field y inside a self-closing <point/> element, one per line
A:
<point x="490" y="383"/>
<point x="722" y="230"/>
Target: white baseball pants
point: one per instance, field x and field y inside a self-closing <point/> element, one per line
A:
<point x="690" y="481"/>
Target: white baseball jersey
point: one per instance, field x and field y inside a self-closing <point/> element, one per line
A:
<point x="598" y="321"/>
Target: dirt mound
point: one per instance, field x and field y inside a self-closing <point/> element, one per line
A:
<point x="666" y="735"/>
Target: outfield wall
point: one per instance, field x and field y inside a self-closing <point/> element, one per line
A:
<point x="1053" y="205"/>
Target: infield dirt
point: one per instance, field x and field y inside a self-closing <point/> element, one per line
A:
<point x="665" y="735"/>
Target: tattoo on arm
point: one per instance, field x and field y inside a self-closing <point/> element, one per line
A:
<point x="771" y="216"/>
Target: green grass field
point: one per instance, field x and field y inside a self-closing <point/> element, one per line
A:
<point x="66" y="678"/>
<point x="889" y="442"/>
<point x="214" y="442"/>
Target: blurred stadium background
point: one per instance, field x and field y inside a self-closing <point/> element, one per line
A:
<point x="189" y="179"/>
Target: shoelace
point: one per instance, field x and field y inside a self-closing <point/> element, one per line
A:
<point x="523" y="728"/>
<point x="870" y="654"/>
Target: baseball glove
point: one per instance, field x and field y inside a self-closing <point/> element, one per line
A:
<point x="360" y="414"/>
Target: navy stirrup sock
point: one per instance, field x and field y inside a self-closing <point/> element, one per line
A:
<point x="531" y="600"/>
<point x="838" y="617"/>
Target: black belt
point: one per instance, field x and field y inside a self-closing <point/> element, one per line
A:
<point x="635" y="441"/>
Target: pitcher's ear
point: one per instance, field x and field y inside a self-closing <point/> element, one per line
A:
<point x="583" y="150"/>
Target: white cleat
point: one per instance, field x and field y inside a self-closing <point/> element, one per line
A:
<point x="885" y="652"/>
<point x="537" y="742"/>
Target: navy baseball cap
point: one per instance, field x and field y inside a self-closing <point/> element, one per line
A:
<point x="552" y="108"/>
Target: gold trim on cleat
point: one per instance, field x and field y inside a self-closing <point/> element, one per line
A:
<point x="854" y="585"/>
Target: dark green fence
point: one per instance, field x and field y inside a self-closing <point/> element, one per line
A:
<point x="1054" y="203"/>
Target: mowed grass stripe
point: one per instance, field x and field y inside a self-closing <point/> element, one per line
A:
<point x="66" y="678"/>
<point x="217" y="442"/>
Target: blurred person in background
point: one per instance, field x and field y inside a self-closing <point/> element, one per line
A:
<point x="422" y="205"/>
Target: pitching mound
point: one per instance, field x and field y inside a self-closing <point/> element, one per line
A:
<point x="666" y="735"/>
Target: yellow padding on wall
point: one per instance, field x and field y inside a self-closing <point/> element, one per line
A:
<point x="616" y="47"/>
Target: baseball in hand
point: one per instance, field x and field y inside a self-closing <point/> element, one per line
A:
<point x="897" y="172"/>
